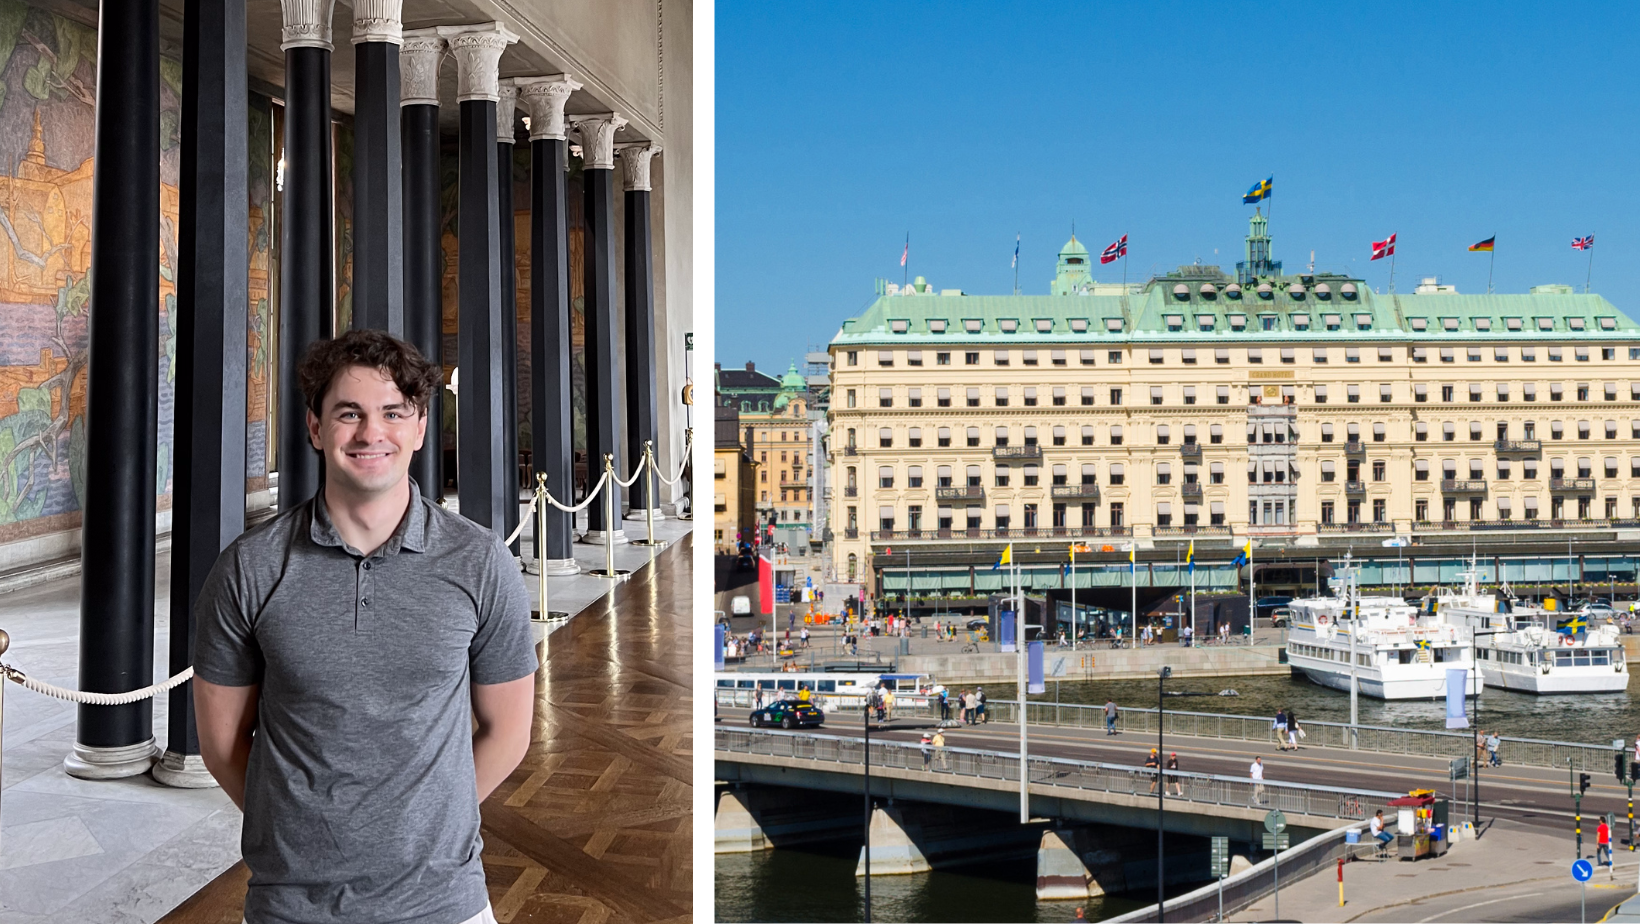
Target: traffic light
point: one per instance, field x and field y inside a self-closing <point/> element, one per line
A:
<point x="1582" y="783"/>
<point x="1622" y="775"/>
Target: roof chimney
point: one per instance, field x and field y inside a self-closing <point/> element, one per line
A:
<point x="751" y="366"/>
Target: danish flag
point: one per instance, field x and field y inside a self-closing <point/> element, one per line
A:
<point x="1384" y="248"/>
<point x="1115" y="251"/>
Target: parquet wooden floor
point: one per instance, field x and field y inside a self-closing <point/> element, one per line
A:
<point x="595" y="824"/>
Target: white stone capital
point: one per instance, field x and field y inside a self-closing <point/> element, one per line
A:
<point x="544" y="99"/>
<point x="477" y="50"/>
<point x="635" y="158"/>
<point x="420" y="55"/>
<point x="597" y="133"/>
<point x="506" y="111"/>
<point x="306" y="24"/>
<point x="378" y="21"/>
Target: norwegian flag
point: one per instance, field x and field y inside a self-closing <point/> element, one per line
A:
<point x="1115" y="251"/>
<point x="1582" y="243"/>
<point x="1384" y="248"/>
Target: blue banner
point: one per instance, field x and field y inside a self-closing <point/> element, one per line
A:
<point x="1033" y="668"/>
<point x="1006" y="620"/>
<point x="717" y="648"/>
<point x="1457" y="684"/>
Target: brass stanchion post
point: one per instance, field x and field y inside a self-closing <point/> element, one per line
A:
<point x="649" y="476"/>
<point x="543" y="614"/>
<point x="608" y="570"/>
<point x="688" y="441"/>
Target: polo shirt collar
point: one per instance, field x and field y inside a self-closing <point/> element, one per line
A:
<point x="411" y="532"/>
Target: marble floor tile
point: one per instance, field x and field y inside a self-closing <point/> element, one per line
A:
<point x="45" y="841"/>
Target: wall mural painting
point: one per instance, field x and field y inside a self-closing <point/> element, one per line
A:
<point x="47" y="130"/>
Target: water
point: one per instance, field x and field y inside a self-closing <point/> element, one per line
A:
<point x="1592" y="718"/>
<point x="817" y="883"/>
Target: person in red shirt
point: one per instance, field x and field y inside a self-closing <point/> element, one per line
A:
<point x="1603" y="843"/>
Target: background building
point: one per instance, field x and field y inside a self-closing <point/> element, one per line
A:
<point x="734" y="476"/>
<point x="1303" y="412"/>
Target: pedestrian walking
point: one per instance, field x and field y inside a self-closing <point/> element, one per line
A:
<point x="970" y="707"/>
<point x="888" y="703"/>
<point x="757" y="696"/>
<point x="1492" y="743"/>
<point x="927" y="749"/>
<point x="1153" y="762"/>
<point x="1173" y="770"/>
<point x="1280" y="726"/>
<point x="939" y="632"/>
<point x="979" y="703"/>
<point x="939" y="749"/>
<point x="1603" y="843"/>
<point x="945" y="703"/>
<point x="1256" y="771"/>
<point x="1110" y="718"/>
<point x="804" y="637"/>
<point x="1293" y="731"/>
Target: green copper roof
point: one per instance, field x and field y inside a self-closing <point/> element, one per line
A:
<point x="793" y="379"/>
<point x="1073" y="246"/>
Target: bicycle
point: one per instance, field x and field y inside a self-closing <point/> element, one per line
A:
<point x="971" y="647"/>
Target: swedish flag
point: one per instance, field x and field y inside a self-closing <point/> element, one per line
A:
<point x="1572" y="624"/>
<point x="1007" y="557"/>
<point x="1422" y="643"/>
<point x="1260" y="190"/>
<point x="1133" y="563"/>
<point x="1244" y="556"/>
<point x="1190" y="556"/>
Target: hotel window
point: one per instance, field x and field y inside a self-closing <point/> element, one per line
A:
<point x="1058" y="395"/>
<point x="1528" y="470"/>
<point x="1363" y="322"/>
<point x="1300" y="321"/>
<point x="1087" y="435"/>
<point x="1474" y="393"/>
<point x="1419" y="323"/>
<point x="1503" y="392"/>
<point x="885" y="357"/>
<point x="1554" y="354"/>
<point x="1000" y="357"/>
<point x="1384" y="354"/>
<point x="1473" y="354"/>
<point x="972" y="435"/>
<point x="1267" y="321"/>
<point x="1332" y="321"/>
<point x="1446" y="354"/>
<point x="1215" y="434"/>
<point x="1385" y="394"/>
<point x="1420" y="355"/>
<point x="1449" y="431"/>
<point x="1556" y="391"/>
<point x="971" y="473"/>
<point x="1115" y="396"/>
<point x="1188" y="357"/>
<point x="1028" y="357"/>
<point x="1008" y="325"/>
<point x="1114" y="325"/>
<point x="1221" y="355"/>
<point x="1583" y="429"/>
<point x="970" y="359"/>
<point x="1116" y="517"/>
<point x="1327" y="512"/>
<point x="1057" y="357"/>
<point x="1032" y="476"/>
<point x="1215" y="472"/>
<point x="1175" y="322"/>
<point x="1155" y="394"/>
<point x="1556" y="431"/>
<point x="1420" y="431"/>
<point x="1164" y="514"/>
<point x="973" y="397"/>
<point x="1321" y="394"/>
<point x="885" y="397"/>
<point x="1090" y="474"/>
<point x="1326" y="433"/>
<point x="1584" y="469"/>
<point x="942" y="397"/>
<point x="1449" y="323"/>
<point x="1634" y="429"/>
<point x="1204" y="322"/>
<point x="885" y="518"/>
<point x="1352" y="394"/>
<point x="1329" y="470"/>
<point x="851" y="397"/>
<point x="1319" y="355"/>
<point x="1378" y="433"/>
<point x="1190" y="394"/>
<point x="1237" y="321"/>
<point x="1030" y="396"/>
<point x="1611" y="429"/>
<point x="1287" y="355"/>
<point x="1079" y="325"/>
<point x="1581" y="354"/>
<point x="1528" y="391"/>
<point x="1002" y="472"/>
<point x="1474" y="431"/>
<point x="1113" y="357"/>
<point x="1116" y="435"/>
<point x="1223" y="393"/>
<point x="1001" y="517"/>
<point x="1353" y="432"/>
<point x="885" y="476"/>
<point x="854" y="357"/>
<point x="1352" y="354"/>
<point x="1002" y="436"/>
<point x="1087" y="396"/>
<point x="913" y="357"/>
<point x="1030" y="436"/>
<point x="1611" y="391"/>
<point x="1503" y="469"/>
<point x="1163" y="434"/>
<point x="1255" y="356"/>
<point x="1420" y="393"/>
<point x="1059" y="435"/>
<point x="914" y="437"/>
<point x="1117" y="473"/>
<point x="913" y="397"/>
<point x="1611" y="466"/>
<point x="1378" y="510"/>
<point x="1500" y="354"/>
<point x="914" y="476"/>
<point x="1420" y="470"/>
<point x="1085" y="357"/>
<point x="885" y="438"/>
<point x="936" y="325"/>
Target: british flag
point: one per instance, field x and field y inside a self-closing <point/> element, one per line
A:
<point x="1383" y="248"/>
<point x="1582" y="243"/>
<point x="1115" y="251"/>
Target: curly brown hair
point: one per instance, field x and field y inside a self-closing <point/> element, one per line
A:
<point x="418" y="379"/>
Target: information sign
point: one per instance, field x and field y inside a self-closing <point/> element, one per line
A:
<point x="1276" y="841"/>
<point x="1275" y="822"/>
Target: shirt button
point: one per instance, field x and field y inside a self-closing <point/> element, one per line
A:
<point x="367" y="566"/>
<point x="367" y="601"/>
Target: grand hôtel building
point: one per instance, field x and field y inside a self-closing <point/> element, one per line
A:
<point x="1303" y="411"/>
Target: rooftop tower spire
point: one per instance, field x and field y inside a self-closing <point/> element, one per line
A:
<point x="1258" y="262"/>
<point x="1073" y="271"/>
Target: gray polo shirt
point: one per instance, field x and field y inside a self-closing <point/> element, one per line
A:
<point x="360" y="801"/>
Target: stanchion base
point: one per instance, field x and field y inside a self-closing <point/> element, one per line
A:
<point x="92" y="763"/>
<point x="657" y="543"/>
<point x="184" y="771"/>
<point x="598" y="537"/>
<point x="552" y="616"/>
<point x="639" y="515"/>
<point x="616" y="575"/>
<point x="683" y="516"/>
<point x="556" y="567"/>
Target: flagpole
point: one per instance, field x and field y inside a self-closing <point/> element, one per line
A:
<point x="1019" y="645"/>
<point x="1016" y="264"/>
<point x="1391" y="270"/>
<point x="1073" y="596"/>
<point x="905" y="261"/>
<point x="1133" y="577"/>
<point x="1192" y="592"/>
<point x="1489" y="264"/>
<point x="1587" y="274"/>
<point x="1252" y="590"/>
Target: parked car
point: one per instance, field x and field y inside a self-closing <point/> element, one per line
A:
<point x="1604" y="610"/>
<point x="788" y="713"/>
<point x="978" y="622"/>
<point x="744" y="562"/>
<point x="1280" y="616"/>
<point x="741" y="605"/>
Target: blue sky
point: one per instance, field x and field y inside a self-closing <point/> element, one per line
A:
<point x="841" y="127"/>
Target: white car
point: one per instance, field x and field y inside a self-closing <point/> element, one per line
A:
<point x="741" y="606"/>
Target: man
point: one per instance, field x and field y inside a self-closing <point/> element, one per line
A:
<point x="1110" y="716"/>
<point x="970" y="707"/>
<point x="1603" y="843"/>
<point x="979" y="703"/>
<point x="342" y="650"/>
<point x="927" y="749"/>
<point x="1376" y="825"/>
<point x="1173" y="771"/>
<point x="804" y="637"/>
<point x="1492" y="743"/>
<point x="1256" y="771"/>
<point x="1153" y="762"/>
<point x="939" y="747"/>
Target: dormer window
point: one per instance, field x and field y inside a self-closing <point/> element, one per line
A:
<point x="972" y="325"/>
<point x="1075" y="260"/>
<point x="1363" y="322"/>
<point x="1419" y="323"/>
<point x="1079" y="325"/>
<point x="1512" y="323"/>
<point x="1114" y="325"/>
<point x="1238" y="321"/>
<point x="1008" y="325"/>
<point x="1608" y="323"/>
<point x="899" y="325"/>
<point x="1332" y="321"/>
<point x="1175" y="322"/>
<point x="1300" y="321"/>
<point x="936" y="325"/>
<point x="1546" y="323"/>
<point x="1449" y="323"/>
<point x="1575" y="323"/>
<point x="1204" y="322"/>
<point x="1044" y="325"/>
<point x="1482" y="323"/>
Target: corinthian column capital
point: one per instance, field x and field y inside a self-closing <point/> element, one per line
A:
<point x="635" y="158"/>
<point x="544" y="99"/>
<point x="597" y="134"/>
<point x="506" y="111"/>
<point x="378" y="21"/>
<point x="306" y="24"/>
<point x="420" y="55"/>
<point x="477" y="50"/>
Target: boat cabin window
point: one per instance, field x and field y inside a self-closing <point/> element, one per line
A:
<point x="745" y="684"/>
<point x="827" y="686"/>
<point x="1404" y="655"/>
<point x="726" y="683"/>
<point x="786" y="684"/>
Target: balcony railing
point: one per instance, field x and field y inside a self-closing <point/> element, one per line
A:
<point x="1517" y="445"/>
<point x="1571" y="484"/>
<point x="1354" y="527"/>
<point x="974" y="492"/>
<point x="850" y="451"/>
<point x="1191" y="450"/>
<point x="1016" y="452"/>
<point x="1462" y="485"/>
<point x="1017" y="532"/>
<point x="1162" y="531"/>
<point x="1355" y="487"/>
<point x="851" y="491"/>
<point x="851" y="533"/>
<point x="1075" y="492"/>
<point x="1191" y="489"/>
<point x="1354" y="446"/>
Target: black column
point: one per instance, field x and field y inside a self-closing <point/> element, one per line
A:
<point x="641" y="416"/>
<point x="424" y="276"/>
<point x="122" y="398"/>
<point x="378" y="191"/>
<point x="307" y="292"/>
<point x="208" y="497"/>
<point x="481" y="473"/>
<point x="507" y="250"/>
<point x="552" y="429"/>
<point x="602" y="415"/>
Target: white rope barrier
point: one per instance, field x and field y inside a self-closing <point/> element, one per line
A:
<point x="685" y="464"/>
<point x="92" y="699"/>
<point x="522" y="519"/>
<point x="591" y="495"/>
<point x="635" y="473"/>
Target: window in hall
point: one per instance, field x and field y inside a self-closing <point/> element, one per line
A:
<point x="1116" y="515"/>
<point x="942" y="359"/>
<point x="1420" y="510"/>
<point x="1326" y="511"/>
<point x="1352" y="511"/>
<point x="970" y="359"/>
<point x="1114" y="357"/>
<point x="1449" y="509"/>
<point x="1059" y="516"/>
<point x="1002" y="474"/>
<point x="1380" y="510"/>
<point x="913" y="517"/>
<point x="1378" y="470"/>
<point x="1611" y="508"/>
<point x="1030" y="516"/>
<point x="1115" y="396"/>
<point x="1164" y="514"/>
<point x="854" y="357"/>
<point x="1474" y="508"/>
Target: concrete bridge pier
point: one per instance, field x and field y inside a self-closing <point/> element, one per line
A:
<point x="750" y="819"/>
<point x="1060" y="872"/>
<point x="1087" y="861"/>
<point x="735" y="828"/>
<point x="911" y="837"/>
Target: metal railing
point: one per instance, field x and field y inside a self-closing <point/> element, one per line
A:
<point x="1517" y="445"/>
<point x="1463" y="485"/>
<point x="1571" y="484"/>
<point x="1087" y="776"/>
<point x="1074" y="492"/>
<point x="1016" y="452"/>
<point x="1413" y="742"/>
<point x="963" y="492"/>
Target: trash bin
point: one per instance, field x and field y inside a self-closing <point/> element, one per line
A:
<point x="925" y="631"/>
<point x="905" y="645"/>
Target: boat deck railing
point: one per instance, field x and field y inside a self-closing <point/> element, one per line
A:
<point x="1531" y="752"/>
<point x="1205" y="789"/>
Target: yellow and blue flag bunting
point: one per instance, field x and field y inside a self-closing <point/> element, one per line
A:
<point x="1572" y="624"/>
<point x="1007" y="557"/>
<point x="1190" y="556"/>
<point x="1260" y="190"/>
<point x="1244" y="556"/>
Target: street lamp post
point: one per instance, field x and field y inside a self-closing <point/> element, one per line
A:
<point x="1161" y="787"/>
<point x="865" y="855"/>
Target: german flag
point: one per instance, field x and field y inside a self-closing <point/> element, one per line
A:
<point x="1484" y="245"/>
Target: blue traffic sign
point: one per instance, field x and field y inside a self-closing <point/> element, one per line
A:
<point x="1581" y="871"/>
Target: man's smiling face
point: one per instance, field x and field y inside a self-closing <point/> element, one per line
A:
<point x="367" y="433"/>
